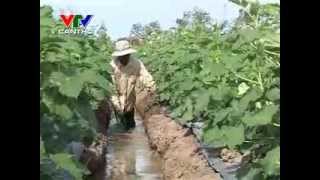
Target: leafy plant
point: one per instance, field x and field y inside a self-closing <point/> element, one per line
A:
<point x="226" y="78"/>
<point x="73" y="79"/>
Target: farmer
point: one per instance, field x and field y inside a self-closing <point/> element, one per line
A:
<point x="129" y="75"/>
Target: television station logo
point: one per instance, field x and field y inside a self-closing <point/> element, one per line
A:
<point x="75" y="24"/>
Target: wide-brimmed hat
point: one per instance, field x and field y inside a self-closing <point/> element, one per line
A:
<point x="123" y="48"/>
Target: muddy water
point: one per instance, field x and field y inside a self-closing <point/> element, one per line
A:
<point x="129" y="156"/>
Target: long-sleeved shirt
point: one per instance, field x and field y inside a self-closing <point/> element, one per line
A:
<point x="128" y="80"/>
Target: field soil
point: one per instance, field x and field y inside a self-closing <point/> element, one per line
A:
<point x="179" y="149"/>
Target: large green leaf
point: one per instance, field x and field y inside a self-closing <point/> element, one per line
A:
<point x="202" y="99"/>
<point x="263" y="117"/>
<point x="215" y="69"/>
<point x="98" y="94"/>
<point x="85" y="110"/>
<point x="102" y="82"/>
<point x="53" y="57"/>
<point x="66" y="162"/>
<point x="251" y="96"/>
<point x="214" y="136"/>
<point x="271" y="163"/>
<point x="249" y="34"/>
<point x="42" y="148"/>
<point x="48" y="101"/>
<point x="222" y="114"/>
<point x="46" y="21"/>
<point x="220" y="93"/>
<point x="227" y="135"/>
<point x="188" y="114"/>
<point x="45" y="16"/>
<point x="273" y="94"/>
<point x="57" y="78"/>
<point x="234" y="135"/>
<point x="246" y="36"/>
<point x="88" y="76"/>
<point x="45" y="11"/>
<point x="71" y="86"/>
<point x="62" y="110"/>
<point x="93" y="77"/>
<point x="186" y="84"/>
<point x="72" y="46"/>
<point x="232" y="62"/>
<point x="253" y="174"/>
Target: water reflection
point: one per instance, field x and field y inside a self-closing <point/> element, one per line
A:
<point x="129" y="155"/>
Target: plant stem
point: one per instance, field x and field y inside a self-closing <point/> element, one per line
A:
<point x="269" y="52"/>
<point x="275" y="124"/>
<point x="260" y="81"/>
<point x="274" y="63"/>
<point x="246" y="79"/>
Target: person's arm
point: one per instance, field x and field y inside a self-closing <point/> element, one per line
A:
<point x="112" y="71"/>
<point x="115" y="99"/>
<point x="146" y="78"/>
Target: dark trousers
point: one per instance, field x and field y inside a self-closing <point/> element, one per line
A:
<point x="128" y="120"/>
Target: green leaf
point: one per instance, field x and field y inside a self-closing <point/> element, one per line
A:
<point x="214" y="136"/>
<point x="85" y="110"/>
<point x="71" y="45"/>
<point x="273" y="94"/>
<point x="188" y="114"/>
<point x="42" y="148"/>
<point x="202" y="99"/>
<point x="98" y="94"/>
<point x="102" y="82"/>
<point x="222" y="114"/>
<point x="57" y="78"/>
<point x="63" y="111"/>
<point x="249" y="34"/>
<point x="88" y="76"/>
<point x="220" y="93"/>
<point x="234" y="135"/>
<point x="46" y="21"/>
<point x="263" y="117"/>
<point x="164" y="97"/>
<point x="250" y="96"/>
<point x="177" y="112"/>
<point x="271" y="163"/>
<point x="232" y="62"/>
<point x="45" y="11"/>
<point x="227" y="135"/>
<point x="246" y="36"/>
<point x="53" y="57"/>
<point x="71" y="87"/>
<point x="253" y="174"/>
<point x="48" y="101"/>
<point x="66" y="162"/>
<point x="186" y="85"/>
<point x="216" y="69"/>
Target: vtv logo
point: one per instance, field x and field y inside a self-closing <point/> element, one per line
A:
<point x="75" y="20"/>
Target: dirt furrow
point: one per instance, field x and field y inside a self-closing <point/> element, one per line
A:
<point x="178" y="147"/>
